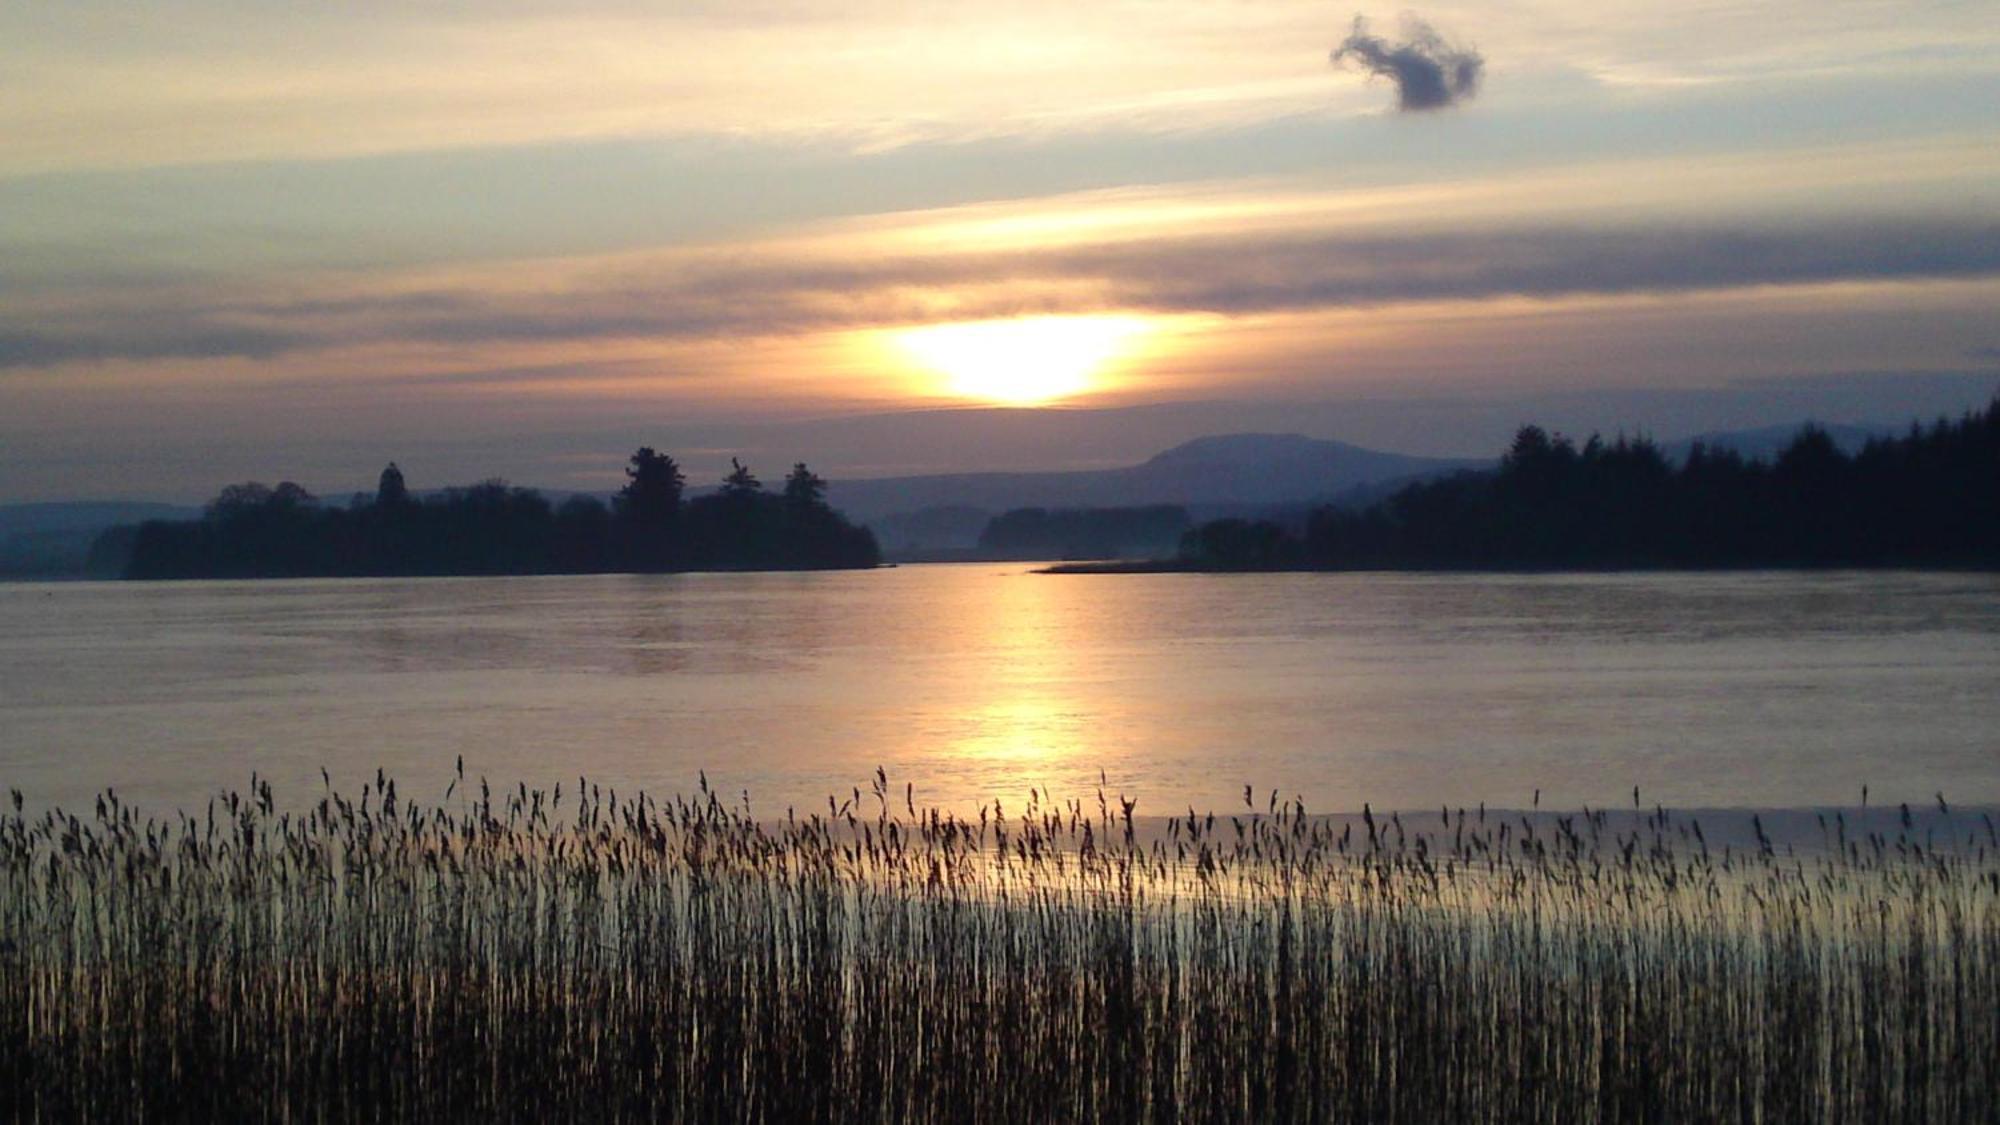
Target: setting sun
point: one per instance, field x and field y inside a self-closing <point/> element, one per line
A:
<point x="1027" y="361"/>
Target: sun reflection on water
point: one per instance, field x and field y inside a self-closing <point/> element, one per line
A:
<point x="1033" y="710"/>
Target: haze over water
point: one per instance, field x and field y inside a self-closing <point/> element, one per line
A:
<point x="979" y="681"/>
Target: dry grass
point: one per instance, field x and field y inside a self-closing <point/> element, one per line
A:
<point x="574" y="954"/>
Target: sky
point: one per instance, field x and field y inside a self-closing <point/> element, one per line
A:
<point x="245" y="240"/>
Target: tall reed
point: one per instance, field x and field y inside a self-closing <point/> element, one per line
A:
<point x="576" y="953"/>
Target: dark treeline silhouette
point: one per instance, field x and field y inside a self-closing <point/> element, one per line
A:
<point x="1930" y="498"/>
<point x="255" y="531"/>
<point x="1085" y="533"/>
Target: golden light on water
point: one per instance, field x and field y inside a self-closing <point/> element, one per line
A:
<point x="1029" y="717"/>
<point x="1025" y="731"/>
<point x="1025" y="361"/>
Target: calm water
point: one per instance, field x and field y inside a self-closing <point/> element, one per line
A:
<point x="977" y="681"/>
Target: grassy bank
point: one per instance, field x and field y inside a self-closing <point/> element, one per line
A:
<point x="571" y="953"/>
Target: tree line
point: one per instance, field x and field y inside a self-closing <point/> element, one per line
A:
<point x="255" y="531"/>
<point x="1085" y="533"/>
<point x="1928" y="498"/>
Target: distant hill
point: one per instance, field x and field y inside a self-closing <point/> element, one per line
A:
<point x="1232" y="470"/>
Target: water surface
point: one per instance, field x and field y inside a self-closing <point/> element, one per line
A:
<point x="976" y="681"/>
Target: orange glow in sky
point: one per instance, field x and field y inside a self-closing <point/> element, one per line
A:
<point x="1025" y="361"/>
<point x="513" y="234"/>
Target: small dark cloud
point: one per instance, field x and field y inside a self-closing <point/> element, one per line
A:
<point x="1987" y="354"/>
<point x="1429" y="72"/>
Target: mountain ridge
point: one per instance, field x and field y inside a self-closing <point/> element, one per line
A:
<point x="1220" y="469"/>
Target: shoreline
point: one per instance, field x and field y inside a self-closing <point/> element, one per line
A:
<point x="1177" y="566"/>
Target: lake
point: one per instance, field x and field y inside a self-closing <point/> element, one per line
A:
<point x="980" y="681"/>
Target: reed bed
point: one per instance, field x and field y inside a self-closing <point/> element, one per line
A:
<point x="572" y="953"/>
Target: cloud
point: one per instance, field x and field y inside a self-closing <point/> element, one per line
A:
<point x="1270" y="274"/>
<point x="1987" y="354"/>
<point x="142" y="340"/>
<point x="1429" y="72"/>
<point x="771" y="295"/>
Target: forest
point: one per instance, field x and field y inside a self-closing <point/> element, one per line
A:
<point x="256" y="531"/>
<point x="1930" y="498"/>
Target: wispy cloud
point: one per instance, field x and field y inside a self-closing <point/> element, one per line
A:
<point x="770" y="293"/>
<point x="166" y="338"/>
<point x="1275" y="273"/>
<point x="1429" y="72"/>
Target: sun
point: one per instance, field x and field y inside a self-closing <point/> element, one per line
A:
<point x="1026" y="361"/>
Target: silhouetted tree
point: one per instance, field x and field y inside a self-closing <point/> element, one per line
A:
<point x="736" y="527"/>
<point x="390" y="490"/>
<point x="653" y="484"/>
<point x="1807" y="480"/>
<point x="740" y="481"/>
<point x="803" y="488"/>
<point x="291" y="496"/>
<point x="236" y="500"/>
<point x="253" y="530"/>
<point x="810" y="534"/>
<point x="647" y="512"/>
